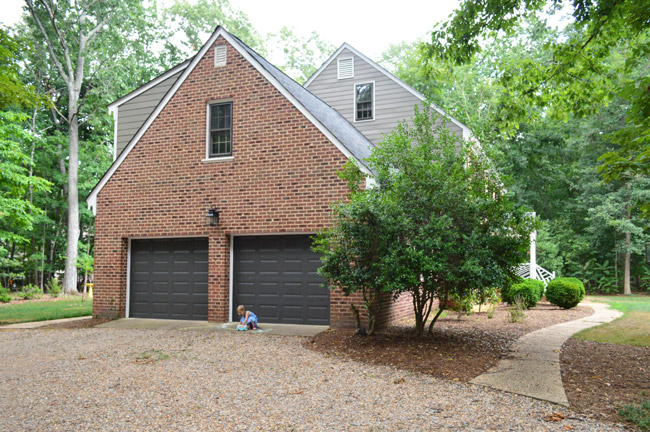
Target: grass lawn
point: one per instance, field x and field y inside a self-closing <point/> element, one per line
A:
<point x="633" y="328"/>
<point x="45" y="310"/>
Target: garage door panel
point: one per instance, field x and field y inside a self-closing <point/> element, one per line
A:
<point x="275" y="277"/>
<point x="169" y="279"/>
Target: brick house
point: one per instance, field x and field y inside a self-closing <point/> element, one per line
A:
<point x="223" y="169"/>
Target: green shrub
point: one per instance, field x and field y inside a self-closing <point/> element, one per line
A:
<point x="54" y="287"/>
<point x="30" y="292"/>
<point x="4" y="295"/>
<point x="528" y="292"/>
<point x="565" y="292"/>
<point x="637" y="414"/>
<point x="538" y="285"/>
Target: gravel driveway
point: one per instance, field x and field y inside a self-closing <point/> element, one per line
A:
<point x="157" y="380"/>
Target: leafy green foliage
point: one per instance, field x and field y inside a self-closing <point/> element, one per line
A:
<point x="565" y="292"/>
<point x="54" y="287"/>
<point x="579" y="77"/>
<point x="531" y="290"/>
<point x="4" y="295"/>
<point x="195" y="21"/>
<point x="528" y="293"/>
<point x="353" y="250"/>
<point x="30" y="292"/>
<point x="637" y="414"/>
<point x="436" y="226"/>
<point x="301" y="56"/>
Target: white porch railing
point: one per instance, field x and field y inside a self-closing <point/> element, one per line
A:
<point x="540" y="273"/>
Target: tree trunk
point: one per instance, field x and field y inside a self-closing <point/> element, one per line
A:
<point x="72" y="251"/>
<point x="626" y="275"/>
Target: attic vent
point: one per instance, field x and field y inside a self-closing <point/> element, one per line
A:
<point x="346" y="68"/>
<point x="220" y="55"/>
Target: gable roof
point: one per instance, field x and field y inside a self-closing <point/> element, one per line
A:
<point x="467" y="133"/>
<point x="333" y="125"/>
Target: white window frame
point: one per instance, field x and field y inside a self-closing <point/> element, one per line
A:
<point x="338" y="67"/>
<point x="208" y="158"/>
<point x="354" y="102"/>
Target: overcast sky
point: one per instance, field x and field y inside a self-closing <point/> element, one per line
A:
<point x="368" y="26"/>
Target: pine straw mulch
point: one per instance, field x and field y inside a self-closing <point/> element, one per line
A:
<point x="458" y="349"/>
<point x="600" y="377"/>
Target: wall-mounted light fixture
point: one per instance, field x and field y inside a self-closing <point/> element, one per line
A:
<point x="212" y="218"/>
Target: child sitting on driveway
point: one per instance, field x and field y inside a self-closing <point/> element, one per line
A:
<point x="248" y="317"/>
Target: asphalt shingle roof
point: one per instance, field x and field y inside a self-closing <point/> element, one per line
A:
<point x="348" y="135"/>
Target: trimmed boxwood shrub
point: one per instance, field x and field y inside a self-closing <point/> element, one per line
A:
<point x="536" y="285"/>
<point x="565" y="292"/>
<point x="527" y="291"/>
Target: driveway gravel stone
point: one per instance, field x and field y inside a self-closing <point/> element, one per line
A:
<point x="160" y="380"/>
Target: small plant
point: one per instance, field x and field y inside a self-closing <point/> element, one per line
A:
<point x="54" y="287"/>
<point x="492" y="308"/>
<point x="151" y="356"/>
<point x="637" y="414"/>
<point x="30" y="292"/>
<point x="516" y="310"/>
<point x="565" y="292"/>
<point x="4" y="295"/>
<point x="462" y="306"/>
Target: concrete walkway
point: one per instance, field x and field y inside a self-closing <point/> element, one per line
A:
<point x="533" y="368"/>
<point x="275" y="329"/>
<point x="37" y="324"/>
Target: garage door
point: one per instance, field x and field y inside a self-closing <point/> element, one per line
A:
<point x="275" y="277"/>
<point x="169" y="279"/>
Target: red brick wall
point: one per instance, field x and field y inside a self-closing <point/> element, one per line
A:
<point x="399" y="311"/>
<point x="282" y="180"/>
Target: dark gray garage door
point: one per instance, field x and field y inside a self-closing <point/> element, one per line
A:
<point x="275" y="277"/>
<point x="169" y="279"/>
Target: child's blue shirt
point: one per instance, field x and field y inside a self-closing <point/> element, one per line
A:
<point x="251" y="318"/>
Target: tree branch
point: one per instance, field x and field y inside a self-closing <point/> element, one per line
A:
<point x="49" y="44"/>
<point x="62" y="41"/>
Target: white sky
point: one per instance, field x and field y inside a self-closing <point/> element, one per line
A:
<point x="368" y="26"/>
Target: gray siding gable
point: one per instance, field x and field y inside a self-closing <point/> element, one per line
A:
<point x="394" y="100"/>
<point x="132" y="114"/>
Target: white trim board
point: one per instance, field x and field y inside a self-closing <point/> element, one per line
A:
<point x="92" y="197"/>
<point x="467" y="133"/>
<point x="127" y="308"/>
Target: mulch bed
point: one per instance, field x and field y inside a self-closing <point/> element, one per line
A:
<point x="77" y="324"/>
<point x="458" y="350"/>
<point x="600" y="377"/>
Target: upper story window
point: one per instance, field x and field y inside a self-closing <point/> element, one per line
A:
<point x="364" y="102"/>
<point x="220" y="130"/>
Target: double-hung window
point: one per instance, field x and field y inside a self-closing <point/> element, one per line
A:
<point x="364" y="95"/>
<point x="220" y="132"/>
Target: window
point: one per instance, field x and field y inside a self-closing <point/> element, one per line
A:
<point x="363" y="102"/>
<point x="220" y="133"/>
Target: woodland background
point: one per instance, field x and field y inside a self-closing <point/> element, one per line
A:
<point x="558" y="144"/>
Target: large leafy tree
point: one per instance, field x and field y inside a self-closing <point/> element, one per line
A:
<point x="437" y="225"/>
<point x="17" y="184"/>
<point x="578" y="77"/>
<point x="79" y="42"/>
